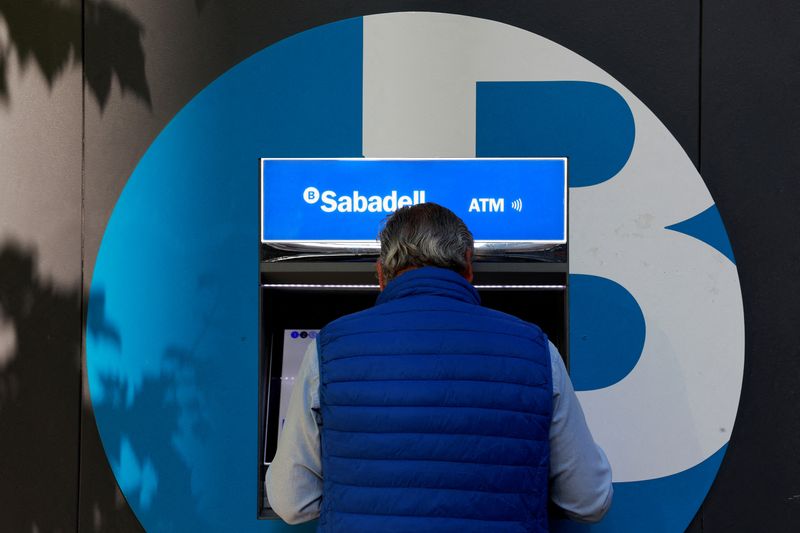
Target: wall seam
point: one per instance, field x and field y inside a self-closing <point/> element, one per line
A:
<point x="702" y="509"/>
<point x="83" y="260"/>
<point x="700" y="92"/>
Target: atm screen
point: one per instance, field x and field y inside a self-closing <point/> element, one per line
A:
<point x="295" y="345"/>
<point x="288" y="347"/>
<point x="283" y="346"/>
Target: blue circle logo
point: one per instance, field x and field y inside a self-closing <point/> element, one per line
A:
<point x="175" y="394"/>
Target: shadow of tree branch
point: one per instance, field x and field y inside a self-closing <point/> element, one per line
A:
<point x="39" y="394"/>
<point x="48" y="34"/>
<point x="115" y="40"/>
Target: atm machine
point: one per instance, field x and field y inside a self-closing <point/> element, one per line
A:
<point x="319" y="224"/>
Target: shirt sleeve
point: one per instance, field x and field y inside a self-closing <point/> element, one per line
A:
<point x="580" y="475"/>
<point x="294" y="479"/>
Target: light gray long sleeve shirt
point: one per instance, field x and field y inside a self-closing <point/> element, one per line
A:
<point x="580" y="476"/>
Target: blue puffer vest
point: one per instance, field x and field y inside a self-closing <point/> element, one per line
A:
<point x="435" y="414"/>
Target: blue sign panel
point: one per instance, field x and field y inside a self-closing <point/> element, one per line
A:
<point x="345" y="200"/>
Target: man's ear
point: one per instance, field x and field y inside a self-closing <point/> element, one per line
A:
<point x="379" y="270"/>
<point x="468" y="272"/>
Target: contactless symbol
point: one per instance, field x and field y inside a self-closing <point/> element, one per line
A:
<point x="311" y="195"/>
<point x="516" y="205"/>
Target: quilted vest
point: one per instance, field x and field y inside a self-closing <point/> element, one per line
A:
<point x="435" y="414"/>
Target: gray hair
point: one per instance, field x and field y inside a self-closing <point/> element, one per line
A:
<point x="424" y="235"/>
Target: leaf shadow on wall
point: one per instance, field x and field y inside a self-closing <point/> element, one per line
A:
<point x="150" y="462"/>
<point x="39" y="395"/>
<point x="47" y="34"/>
<point x="40" y="407"/>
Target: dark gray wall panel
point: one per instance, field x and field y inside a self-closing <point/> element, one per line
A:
<point x="750" y="160"/>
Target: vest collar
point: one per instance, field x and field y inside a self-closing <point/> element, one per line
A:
<point x="430" y="281"/>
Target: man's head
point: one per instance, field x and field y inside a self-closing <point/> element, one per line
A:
<point x="424" y="235"/>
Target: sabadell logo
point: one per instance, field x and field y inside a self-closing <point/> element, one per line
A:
<point x="359" y="203"/>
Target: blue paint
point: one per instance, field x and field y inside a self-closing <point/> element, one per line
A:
<point x="606" y="331"/>
<point x="587" y="122"/>
<point x="665" y="505"/>
<point x="708" y="228"/>
<point x="136" y="477"/>
<point x="173" y="352"/>
<point x="592" y="125"/>
<point x="301" y="196"/>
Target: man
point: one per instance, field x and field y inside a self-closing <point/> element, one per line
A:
<point x="428" y="412"/>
